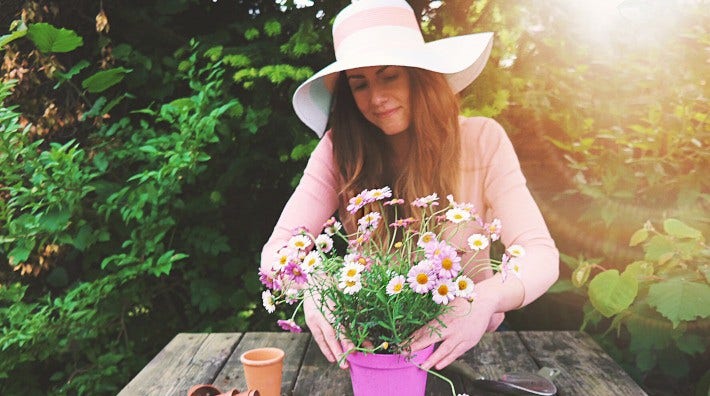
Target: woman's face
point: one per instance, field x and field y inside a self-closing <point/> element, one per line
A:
<point x="382" y="96"/>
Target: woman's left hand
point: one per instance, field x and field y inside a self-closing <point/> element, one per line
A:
<point x="466" y="322"/>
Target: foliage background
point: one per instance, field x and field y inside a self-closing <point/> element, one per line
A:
<point x="134" y="205"/>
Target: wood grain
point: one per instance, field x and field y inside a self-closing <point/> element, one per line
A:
<point x="293" y="345"/>
<point x="585" y="369"/>
<point x="187" y="360"/>
<point x="318" y="377"/>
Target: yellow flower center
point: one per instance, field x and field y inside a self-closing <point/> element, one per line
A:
<point x="426" y="238"/>
<point x="462" y="284"/>
<point x="442" y="290"/>
<point x="350" y="283"/>
<point x="351" y="272"/>
<point x="447" y="264"/>
<point x="398" y="245"/>
<point x="397" y="287"/>
<point x="422" y="279"/>
<point x="362" y="261"/>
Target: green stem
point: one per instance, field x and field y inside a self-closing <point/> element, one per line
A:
<point x="451" y="384"/>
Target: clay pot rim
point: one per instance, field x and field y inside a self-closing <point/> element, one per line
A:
<point x="278" y="356"/>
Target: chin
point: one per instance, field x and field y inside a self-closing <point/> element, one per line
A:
<point x="393" y="130"/>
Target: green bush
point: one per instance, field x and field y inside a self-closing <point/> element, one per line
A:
<point x="145" y="222"/>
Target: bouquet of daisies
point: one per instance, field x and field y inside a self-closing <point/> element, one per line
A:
<point x="394" y="277"/>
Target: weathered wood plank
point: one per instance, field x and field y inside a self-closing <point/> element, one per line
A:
<point x="293" y="345"/>
<point x="585" y="369"/>
<point x="318" y="377"/>
<point x="496" y="354"/>
<point x="187" y="360"/>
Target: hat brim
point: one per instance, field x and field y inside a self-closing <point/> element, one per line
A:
<point x="461" y="59"/>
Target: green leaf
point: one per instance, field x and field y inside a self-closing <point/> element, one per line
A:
<point x="83" y="238"/>
<point x="691" y="343"/>
<point x="639" y="269"/>
<point x="21" y="251"/>
<point x="104" y="79"/>
<point x="645" y="360"/>
<point x="272" y="28"/>
<point x="581" y="274"/>
<point x="657" y="247"/>
<point x="646" y="334"/>
<point x="48" y="38"/>
<point x="95" y="110"/>
<point x="8" y="38"/>
<point x="251" y="34"/>
<point x="611" y="293"/>
<point x="101" y="161"/>
<point x="638" y="237"/>
<point x="71" y="73"/>
<point x="55" y="220"/>
<point x="679" y="229"/>
<point x="680" y="300"/>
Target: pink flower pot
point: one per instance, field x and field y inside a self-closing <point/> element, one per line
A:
<point x="378" y="374"/>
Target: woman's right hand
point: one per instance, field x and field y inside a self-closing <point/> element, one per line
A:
<point x="324" y="334"/>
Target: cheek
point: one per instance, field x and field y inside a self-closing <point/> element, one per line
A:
<point x="361" y="102"/>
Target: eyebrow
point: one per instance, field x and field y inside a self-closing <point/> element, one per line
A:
<point x="380" y="70"/>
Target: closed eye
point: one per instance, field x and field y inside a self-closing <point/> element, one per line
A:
<point x="358" y="86"/>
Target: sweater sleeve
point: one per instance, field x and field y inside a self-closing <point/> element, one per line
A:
<point x="313" y="201"/>
<point x="508" y="198"/>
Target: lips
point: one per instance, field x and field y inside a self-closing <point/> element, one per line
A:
<point x="386" y="113"/>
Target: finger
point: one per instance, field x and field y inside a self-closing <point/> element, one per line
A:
<point x="322" y="344"/>
<point x="424" y="337"/>
<point x="347" y="346"/>
<point x="441" y="354"/>
<point x="448" y="359"/>
<point x="333" y="343"/>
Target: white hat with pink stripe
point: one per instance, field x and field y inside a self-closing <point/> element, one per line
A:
<point x="386" y="32"/>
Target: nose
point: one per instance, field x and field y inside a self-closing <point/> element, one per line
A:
<point x="378" y="95"/>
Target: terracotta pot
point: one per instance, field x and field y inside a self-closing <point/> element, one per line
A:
<point x="263" y="368"/>
<point x="376" y="374"/>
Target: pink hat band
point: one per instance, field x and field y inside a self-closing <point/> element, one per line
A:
<point x="368" y="27"/>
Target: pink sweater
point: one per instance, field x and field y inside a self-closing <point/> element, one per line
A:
<point x="491" y="180"/>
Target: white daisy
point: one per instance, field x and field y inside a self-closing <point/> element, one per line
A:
<point x="458" y="215"/>
<point x="351" y="271"/>
<point x="267" y="299"/>
<point x="464" y="286"/>
<point x="516" y="251"/>
<point x="426" y="238"/>
<point x="299" y="242"/>
<point x="350" y="286"/>
<point x="324" y="243"/>
<point x="396" y="285"/>
<point x="443" y="291"/>
<point x="310" y="262"/>
<point x="477" y="242"/>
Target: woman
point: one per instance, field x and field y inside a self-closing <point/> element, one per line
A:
<point x="390" y="101"/>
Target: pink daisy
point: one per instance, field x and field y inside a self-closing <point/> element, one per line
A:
<point x="420" y="277"/>
<point x="289" y="325"/>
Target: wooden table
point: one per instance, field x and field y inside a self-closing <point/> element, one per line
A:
<point x="585" y="369"/>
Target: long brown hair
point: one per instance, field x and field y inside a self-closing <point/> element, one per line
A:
<point x="363" y="156"/>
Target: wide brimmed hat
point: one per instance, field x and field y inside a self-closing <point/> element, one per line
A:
<point x="386" y="32"/>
